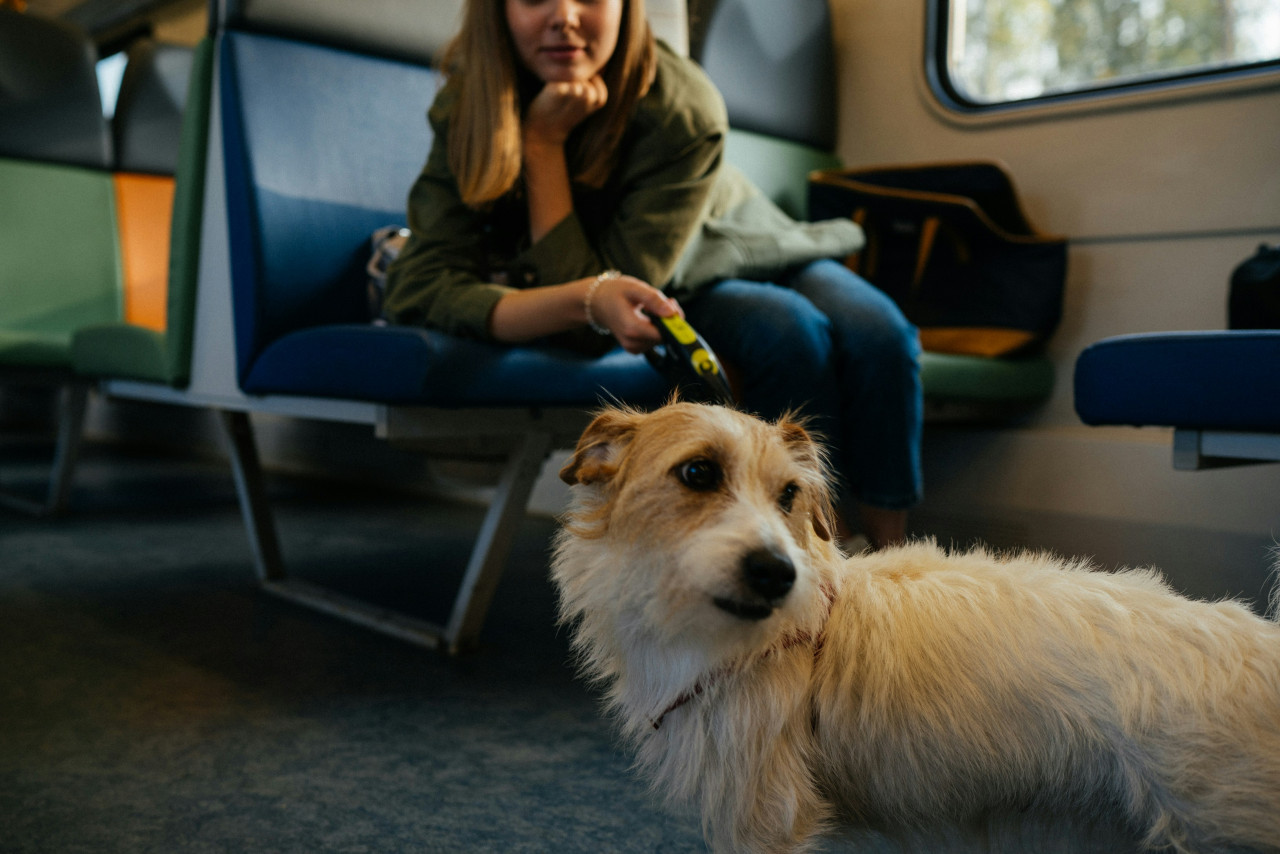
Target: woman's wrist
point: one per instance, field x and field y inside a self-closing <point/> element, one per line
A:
<point x="589" y="297"/>
<point x="536" y="145"/>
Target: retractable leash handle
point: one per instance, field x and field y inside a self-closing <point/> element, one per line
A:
<point x="688" y="362"/>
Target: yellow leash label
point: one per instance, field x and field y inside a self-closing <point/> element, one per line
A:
<point x="683" y="331"/>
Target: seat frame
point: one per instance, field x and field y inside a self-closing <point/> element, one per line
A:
<point x="1194" y="450"/>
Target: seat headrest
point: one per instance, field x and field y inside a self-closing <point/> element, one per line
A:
<point x="147" y="127"/>
<point x="774" y="62"/>
<point x="401" y="29"/>
<point x="50" y="108"/>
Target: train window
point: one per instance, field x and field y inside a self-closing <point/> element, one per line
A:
<point x="994" y="52"/>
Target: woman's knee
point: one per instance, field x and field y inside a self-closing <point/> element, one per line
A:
<point x="865" y="319"/>
<point x="763" y="322"/>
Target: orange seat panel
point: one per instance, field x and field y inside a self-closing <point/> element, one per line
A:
<point x="144" y="208"/>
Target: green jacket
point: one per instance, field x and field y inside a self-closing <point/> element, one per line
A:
<point x="672" y="214"/>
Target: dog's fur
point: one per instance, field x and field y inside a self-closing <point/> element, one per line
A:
<point x="901" y="687"/>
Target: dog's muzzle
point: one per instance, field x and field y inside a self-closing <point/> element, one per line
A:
<point x="767" y="577"/>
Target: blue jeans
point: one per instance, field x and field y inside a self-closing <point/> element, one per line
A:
<point x="827" y="343"/>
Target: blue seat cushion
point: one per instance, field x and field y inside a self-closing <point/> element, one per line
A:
<point x="1215" y="380"/>
<point x="402" y="365"/>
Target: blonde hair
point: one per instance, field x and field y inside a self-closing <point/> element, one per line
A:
<point x="484" y="128"/>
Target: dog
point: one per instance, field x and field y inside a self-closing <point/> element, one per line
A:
<point x="783" y="688"/>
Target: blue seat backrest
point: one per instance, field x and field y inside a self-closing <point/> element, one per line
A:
<point x="50" y="108"/>
<point x="774" y="62"/>
<point x="321" y="146"/>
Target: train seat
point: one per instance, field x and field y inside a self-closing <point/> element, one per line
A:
<point x="61" y="264"/>
<point x="160" y="130"/>
<point x="302" y="317"/>
<point x="1219" y="390"/>
<point x="49" y="93"/>
<point x="146" y="129"/>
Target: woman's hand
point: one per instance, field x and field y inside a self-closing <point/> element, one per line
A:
<point x="552" y="115"/>
<point x="559" y="108"/>
<point x="619" y="303"/>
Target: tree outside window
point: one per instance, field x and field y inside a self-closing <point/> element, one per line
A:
<point x="1010" y="50"/>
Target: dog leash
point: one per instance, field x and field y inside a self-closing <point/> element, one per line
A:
<point x="688" y="363"/>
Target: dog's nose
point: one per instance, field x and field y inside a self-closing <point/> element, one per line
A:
<point x="768" y="573"/>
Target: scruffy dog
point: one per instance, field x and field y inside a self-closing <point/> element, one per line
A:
<point x="782" y="686"/>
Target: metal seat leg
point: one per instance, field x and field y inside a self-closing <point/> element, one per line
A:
<point x="484" y="568"/>
<point x="73" y="400"/>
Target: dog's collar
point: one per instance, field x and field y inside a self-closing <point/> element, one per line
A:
<point x="684" y="698"/>
<point x="790" y="641"/>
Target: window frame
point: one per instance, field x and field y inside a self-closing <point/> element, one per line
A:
<point x="1252" y="75"/>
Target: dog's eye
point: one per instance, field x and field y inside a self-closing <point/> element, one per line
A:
<point x="788" y="498"/>
<point x="700" y="474"/>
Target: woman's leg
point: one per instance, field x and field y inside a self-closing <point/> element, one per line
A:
<point x="876" y="354"/>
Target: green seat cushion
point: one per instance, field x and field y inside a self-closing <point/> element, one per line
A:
<point x="121" y="350"/>
<point x="34" y="349"/>
<point x="61" y="267"/>
<point x="978" y="378"/>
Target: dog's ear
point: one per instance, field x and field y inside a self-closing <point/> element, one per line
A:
<point x="822" y="517"/>
<point x="794" y="432"/>
<point x="811" y="454"/>
<point x="598" y="447"/>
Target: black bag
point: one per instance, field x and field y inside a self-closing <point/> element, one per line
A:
<point x="950" y="244"/>
<point x="1254" y="300"/>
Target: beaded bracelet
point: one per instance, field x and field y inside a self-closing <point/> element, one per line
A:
<point x="591" y="292"/>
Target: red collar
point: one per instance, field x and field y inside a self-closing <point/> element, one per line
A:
<point x="791" y="641"/>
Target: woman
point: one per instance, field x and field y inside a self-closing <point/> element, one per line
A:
<point x="577" y="180"/>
